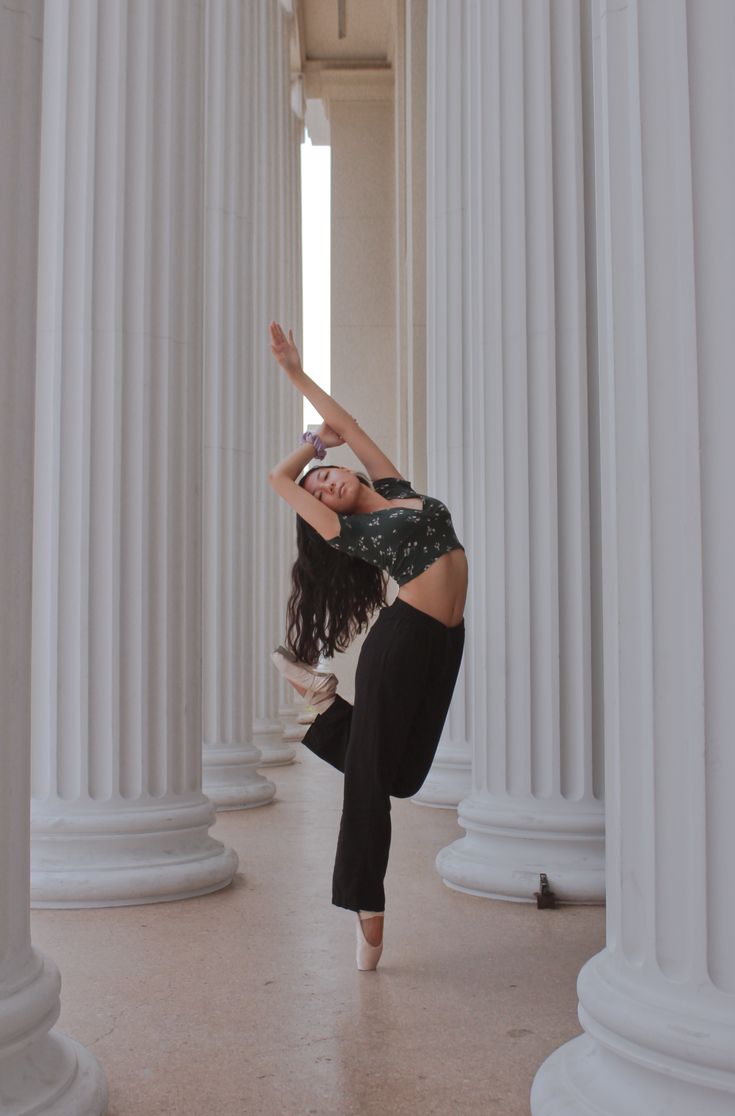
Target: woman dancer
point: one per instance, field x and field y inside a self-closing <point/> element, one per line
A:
<point x="348" y="533"/>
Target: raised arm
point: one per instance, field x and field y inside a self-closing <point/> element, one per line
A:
<point x="372" y="457"/>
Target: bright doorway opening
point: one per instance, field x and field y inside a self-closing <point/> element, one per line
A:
<point x="316" y="267"/>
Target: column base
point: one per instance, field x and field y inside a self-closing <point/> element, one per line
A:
<point x="276" y="750"/>
<point x="42" y="1072"/>
<point x="157" y="853"/>
<point x="651" y="1045"/>
<point x="293" y="731"/>
<point x="581" y="1078"/>
<point x="230" y="778"/>
<point x="505" y="851"/>
<point x="449" y="781"/>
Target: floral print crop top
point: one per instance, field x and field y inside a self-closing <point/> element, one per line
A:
<point x="403" y="541"/>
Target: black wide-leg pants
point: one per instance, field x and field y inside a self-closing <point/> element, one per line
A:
<point x="385" y="743"/>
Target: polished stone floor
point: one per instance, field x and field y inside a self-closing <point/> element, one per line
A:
<point x="248" y="1000"/>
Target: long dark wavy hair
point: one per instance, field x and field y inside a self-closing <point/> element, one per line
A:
<point x="333" y="595"/>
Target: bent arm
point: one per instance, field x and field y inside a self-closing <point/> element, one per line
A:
<point x="282" y="478"/>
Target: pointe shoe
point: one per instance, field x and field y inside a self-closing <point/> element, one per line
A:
<point x="367" y="955"/>
<point x="319" y="685"/>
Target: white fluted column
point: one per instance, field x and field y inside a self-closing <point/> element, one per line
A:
<point x="41" y="1070"/>
<point x="508" y="356"/>
<point x="118" y="812"/>
<point x="450" y="777"/>
<point x="658" y="1003"/>
<point x="290" y="297"/>
<point x="290" y="706"/>
<point x="229" y="757"/>
<point x="276" y="414"/>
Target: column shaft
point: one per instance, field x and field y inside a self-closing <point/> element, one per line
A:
<point x="508" y="392"/>
<point x="229" y="757"/>
<point x="276" y="414"/>
<point x="290" y="705"/>
<point x="658" y="1003"/>
<point x="41" y="1070"/>
<point x="450" y="778"/>
<point x="118" y="813"/>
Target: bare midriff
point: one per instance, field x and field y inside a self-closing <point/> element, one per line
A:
<point x="441" y="590"/>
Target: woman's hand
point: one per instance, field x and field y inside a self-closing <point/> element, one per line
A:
<point x="284" y="350"/>
<point x="329" y="437"/>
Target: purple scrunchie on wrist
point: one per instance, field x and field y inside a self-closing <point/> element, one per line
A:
<point x="316" y="442"/>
